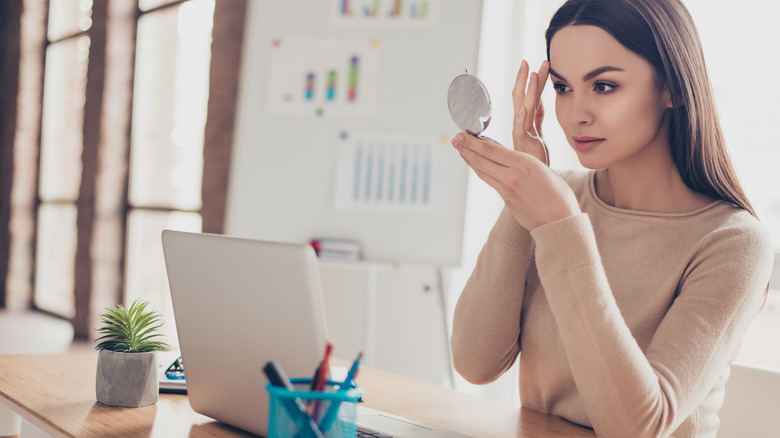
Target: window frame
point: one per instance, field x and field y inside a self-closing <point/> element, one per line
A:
<point x="227" y="37"/>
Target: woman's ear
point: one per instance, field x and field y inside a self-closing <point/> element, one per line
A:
<point x="667" y="97"/>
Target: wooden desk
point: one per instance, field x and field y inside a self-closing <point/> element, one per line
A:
<point x="57" y="394"/>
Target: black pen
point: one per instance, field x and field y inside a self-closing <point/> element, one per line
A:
<point x="314" y="379"/>
<point x="295" y="408"/>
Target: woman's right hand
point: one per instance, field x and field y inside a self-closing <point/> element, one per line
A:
<point x="529" y="112"/>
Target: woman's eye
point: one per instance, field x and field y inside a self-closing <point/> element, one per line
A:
<point x="603" y="87"/>
<point x="561" y="88"/>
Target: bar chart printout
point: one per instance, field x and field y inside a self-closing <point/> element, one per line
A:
<point x="388" y="12"/>
<point x="313" y="77"/>
<point x="390" y="173"/>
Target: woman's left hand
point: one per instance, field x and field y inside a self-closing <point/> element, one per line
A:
<point x="534" y="193"/>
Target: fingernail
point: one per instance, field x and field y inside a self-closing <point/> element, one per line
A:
<point x="456" y="140"/>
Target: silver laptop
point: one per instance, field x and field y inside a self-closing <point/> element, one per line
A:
<point x="239" y="303"/>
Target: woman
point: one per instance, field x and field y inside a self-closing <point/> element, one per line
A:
<point x="627" y="288"/>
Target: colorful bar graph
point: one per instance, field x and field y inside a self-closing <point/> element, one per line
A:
<point x="309" y="87"/>
<point x="353" y="79"/>
<point x="331" y="86"/>
<point x="332" y="81"/>
<point x="391" y="11"/>
<point x="333" y="78"/>
<point x="395" y="9"/>
<point x="418" y="10"/>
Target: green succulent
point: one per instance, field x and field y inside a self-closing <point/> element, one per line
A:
<point x="130" y="330"/>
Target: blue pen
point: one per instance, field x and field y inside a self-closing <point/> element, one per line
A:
<point x="330" y="415"/>
<point x="349" y="381"/>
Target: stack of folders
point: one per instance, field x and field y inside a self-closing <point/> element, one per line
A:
<point x="171" y="372"/>
<point x="344" y="250"/>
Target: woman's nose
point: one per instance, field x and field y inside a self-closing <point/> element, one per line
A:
<point x="581" y="112"/>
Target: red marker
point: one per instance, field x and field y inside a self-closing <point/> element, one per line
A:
<point x="322" y="377"/>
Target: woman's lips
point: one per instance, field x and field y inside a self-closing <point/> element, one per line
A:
<point x="585" y="144"/>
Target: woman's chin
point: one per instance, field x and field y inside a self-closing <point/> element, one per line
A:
<point x="591" y="162"/>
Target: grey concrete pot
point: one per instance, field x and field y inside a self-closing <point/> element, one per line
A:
<point x="127" y="379"/>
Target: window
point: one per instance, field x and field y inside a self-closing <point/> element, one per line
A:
<point x="170" y="99"/>
<point x="170" y="96"/>
<point x="737" y="61"/>
<point x="62" y="138"/>
<point x="109" y="150"/>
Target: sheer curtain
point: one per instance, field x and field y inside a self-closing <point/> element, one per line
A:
<point x="739" y="44"/>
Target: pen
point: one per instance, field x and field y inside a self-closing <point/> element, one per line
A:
<point x="352" y="371"/>
<point x="333" y="409"/>
<point x="315" y="378"/>
<point x="322" y="377"/>
<point x="295" y="408"/>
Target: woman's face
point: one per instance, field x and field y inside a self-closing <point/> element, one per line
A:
<point x="608" y="102"/>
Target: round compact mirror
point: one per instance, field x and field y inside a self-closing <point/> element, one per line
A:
<point x="469" y="104"/>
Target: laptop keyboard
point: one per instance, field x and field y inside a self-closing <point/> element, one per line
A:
<point x="365" y="433"/>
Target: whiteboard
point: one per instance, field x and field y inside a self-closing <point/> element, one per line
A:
<point x="342" y="128"/>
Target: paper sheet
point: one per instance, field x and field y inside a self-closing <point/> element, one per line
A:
<point x="385" y="13"/>
<point x="323" y="78"/>
<point x="390" y="173"/>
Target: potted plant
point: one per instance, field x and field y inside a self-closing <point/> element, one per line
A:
<point x="127" y="362"/>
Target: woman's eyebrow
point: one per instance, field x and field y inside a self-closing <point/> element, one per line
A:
<point x="590" y="75"/>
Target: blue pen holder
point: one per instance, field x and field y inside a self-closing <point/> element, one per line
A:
<point x="335" y="415"/>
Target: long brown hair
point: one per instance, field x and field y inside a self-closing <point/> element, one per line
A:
<point x="663" y="32"/>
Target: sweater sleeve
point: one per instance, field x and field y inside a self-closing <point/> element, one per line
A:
<point x="486" y="322"/>
<point x="628" y="392"/>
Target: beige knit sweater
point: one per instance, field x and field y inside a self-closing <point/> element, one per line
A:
<point x="627" y="321"/>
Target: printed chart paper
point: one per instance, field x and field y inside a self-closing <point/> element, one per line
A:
<point x="387" y="13"/>
<point x="402" y="174"/>
<point x="323" y="78"/>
